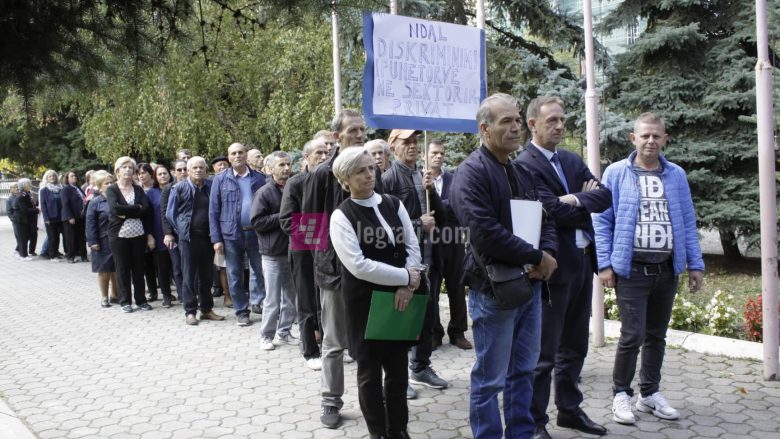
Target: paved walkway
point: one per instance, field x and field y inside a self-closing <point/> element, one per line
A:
<point x="70" y="369"/>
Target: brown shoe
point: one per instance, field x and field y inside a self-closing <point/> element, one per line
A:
<point x="211" y="315"/>
<point x="191" y="320"/>
<point x="462" y="343"/>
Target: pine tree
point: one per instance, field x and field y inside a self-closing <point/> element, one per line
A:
<point x="694" y="65"/>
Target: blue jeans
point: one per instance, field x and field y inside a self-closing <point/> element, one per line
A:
<point x="507" y="344"/>
<point x="279" y="303"/>
<point x="234" y="261"/>
<point x="256" y="287"/>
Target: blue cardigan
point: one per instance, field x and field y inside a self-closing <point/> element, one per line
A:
<point x="615" y="227"/>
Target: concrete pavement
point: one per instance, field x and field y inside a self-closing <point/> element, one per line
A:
<point x="70" y="369"/>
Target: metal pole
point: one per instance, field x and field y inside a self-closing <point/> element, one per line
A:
<point x="481" y="14"/>
<point x="768" y="202"/>
<point x="594" y="159"/>
<point x="394" y="7"/>
<point x="336" y="59"/>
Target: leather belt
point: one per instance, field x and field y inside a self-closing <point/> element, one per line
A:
<point x="653" y="269"/>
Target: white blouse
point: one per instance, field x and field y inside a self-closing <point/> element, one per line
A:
<point x="347" y="246"/>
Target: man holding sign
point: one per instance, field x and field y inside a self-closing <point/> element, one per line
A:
<point x="575" y="195"/>
<point x="506" y="341"/>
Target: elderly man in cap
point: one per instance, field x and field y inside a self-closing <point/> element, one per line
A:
<point x="416" y="191"/>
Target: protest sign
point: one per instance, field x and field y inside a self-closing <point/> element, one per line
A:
<point x="422" y="74"/>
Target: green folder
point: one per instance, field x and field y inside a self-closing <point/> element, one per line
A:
<point x="387" y="323"/>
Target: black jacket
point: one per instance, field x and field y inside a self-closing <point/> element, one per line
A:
<point x="398" y="181"/>
<point x="119" y="207"/>
<point x="264" y="216"/>
<point x="72" y="202"/>
<point x="480" y="197"/>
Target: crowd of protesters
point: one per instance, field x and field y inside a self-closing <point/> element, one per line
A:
<point x="311" y="247"/>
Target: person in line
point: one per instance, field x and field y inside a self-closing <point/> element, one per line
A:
<point x="162" y="175"/>
<point x="279" y="303"/>
<point x="390" y="262"/>
<point x="180" y="174"/>
<point x="301" y="259"/>
<point x="323" y="194"/>
<point x="448" y="256"/>
<point x="506" y="341"/>
<point x="25" y="215"/>
<point x="329" y="140"/>
<point x="380" y="151"/>
<point x="145" y="179"/>
<point x="10" y="210"/>
<point x="183" y="154"/>
<point x="576" y="193"/>
<point x="188" y="213"/>
<point x="231" y="230"/>
<point x="414" y="187"/>
<point x="220" y="287"/>
<point x="50" y="199"/>
<point x="73" y="218"/>
<point x="160" y="264"/>
<point x="98" y="217"/>
<point x="255" y="159"/>
<point x="644" y="241"/>
<point x="129" y="234"/>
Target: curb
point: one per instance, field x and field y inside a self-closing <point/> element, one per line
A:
<point x="705" y="344"/>
<point x="11" y="427"/>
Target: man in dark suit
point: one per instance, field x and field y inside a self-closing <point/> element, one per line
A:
<point x="577" y="194"/>
<point x="449" y="250"/>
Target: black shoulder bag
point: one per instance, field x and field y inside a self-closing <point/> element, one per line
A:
<point x="510" y="283"/>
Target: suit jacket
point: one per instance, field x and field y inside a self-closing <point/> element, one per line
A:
<point x="567" y="218"/>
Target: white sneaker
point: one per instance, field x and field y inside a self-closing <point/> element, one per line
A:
<point x="314" y="363"/>
<point x="657" y="405"/>
<point x="285" y="339"/>
<point x="267" y="344"/>
<point x="621" y="409"/>
<point x="348" y="358"/>
<point x="26" y="258"/>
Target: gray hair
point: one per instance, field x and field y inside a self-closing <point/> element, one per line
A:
<point x="24" y="182"/>
<point x="535" y="106"/>
<point x="651" y="118"/>
<point x="46" y="175"/>
<point x="379" y="142"/>
<point x="338" y="122"/>
<point x="347" y="162"/>
<point x="196" y="159"/>
<point x="307" y="148"/>
<point x="485" y="112"/>
<point x="275" y="157"/>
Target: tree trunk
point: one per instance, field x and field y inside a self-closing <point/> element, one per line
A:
<point x="729" y="243"/>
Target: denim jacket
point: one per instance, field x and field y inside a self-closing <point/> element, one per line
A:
<point x="225" y="205"/>
<point x="179" y="210"/>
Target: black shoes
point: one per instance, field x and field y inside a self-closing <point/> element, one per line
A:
<point x="166" y="302"/>
<point x="581" y="422"/>
<point x="541" y="433"/>
<point x="217" y="292"/>
<point x="257" y="309"/>
<point x="153" y="296"/>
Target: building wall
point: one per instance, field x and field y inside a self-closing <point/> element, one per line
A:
<point x="615" y="42"/>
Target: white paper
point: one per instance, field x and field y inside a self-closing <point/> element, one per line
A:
<point x="527" y="220"/>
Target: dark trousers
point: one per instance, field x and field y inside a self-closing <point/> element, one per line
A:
<point x="645" y="303"/>
<point x="197" y="263"/>
<point x="388" y="417"/>
<point x="22" y="239"/>
<point x="420" y="357"/>
<point x="53" y="232"/>
<point x="178" y="280"/>
<point x="564" y="345"/>
<point x="164" y="271"/>
<point x="450" y="270"/>
<point x="308" y="301"/>
<point x="129" y="262"/>
<point x="32" y="229"/>
<point x="16" y="235"/>
<point x="150" y="272"/>
<point x="75" y="238"/>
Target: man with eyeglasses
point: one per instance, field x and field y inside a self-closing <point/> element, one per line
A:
<point x="180" y="174"/>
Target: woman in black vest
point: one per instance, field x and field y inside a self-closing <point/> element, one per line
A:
<point x="376" y="245"/>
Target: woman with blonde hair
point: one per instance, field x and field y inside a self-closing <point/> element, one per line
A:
<point x="129" y="233"/>
<point x="98" y="215"/>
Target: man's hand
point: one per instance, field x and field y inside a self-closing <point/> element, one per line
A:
<point x="545" y="268"/>
<point x="219" y="248"/>
<point x="428" y="222"/>
<point x="607" y="277"/>
<point x="402" y="297"/>
<point x="169" y="241"/>
<point x="428" y="180"/>
<point x="568" y="199"/>
<point x="72" y="220"/>
<point x="590" y="185"/>
<point x="95" y="247"/>
<point x="150" y="242"/>
<point x="695" y="280"/>
<point x="414" y="278"/>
